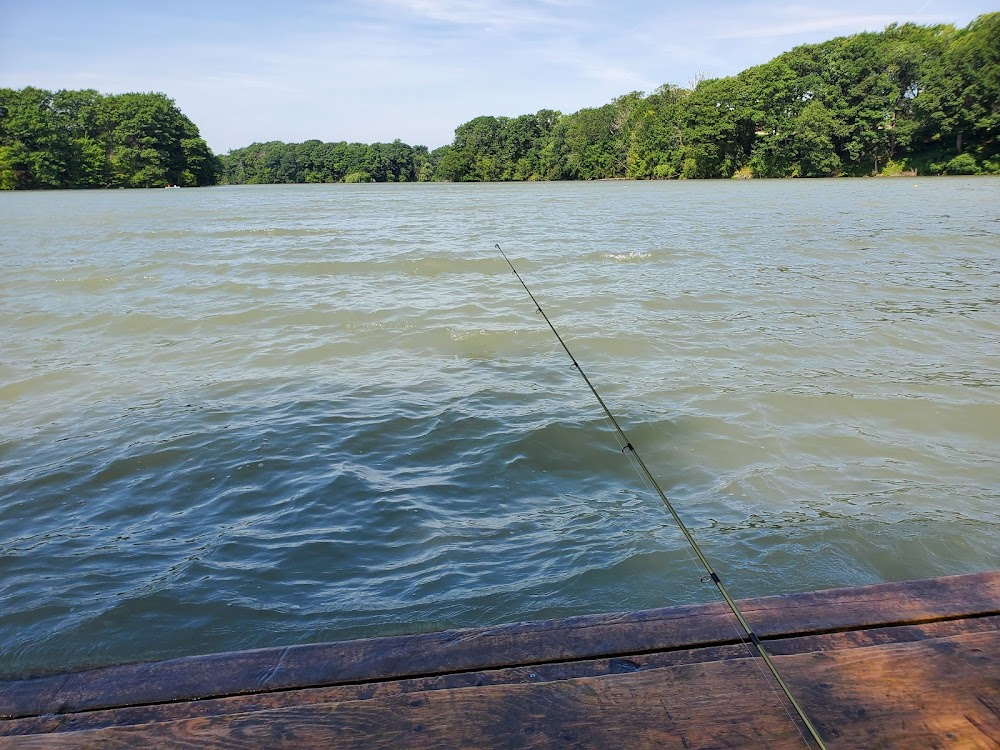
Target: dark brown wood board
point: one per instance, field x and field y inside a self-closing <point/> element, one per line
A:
<point x="904" y="665"/>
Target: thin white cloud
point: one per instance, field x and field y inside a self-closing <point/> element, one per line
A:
<point x="799" y="27"/>
<point x="240" y="81"/>
<point x="489" y="14"/>
<point x="597" y="67"/>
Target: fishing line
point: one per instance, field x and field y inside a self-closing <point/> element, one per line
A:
<point x="737" y="631"/>
<point x="648" y="477"/>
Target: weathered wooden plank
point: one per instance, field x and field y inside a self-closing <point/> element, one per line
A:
<point x="883" y="605"/>
<point x="452" y="651"/>
<point x="935" y="693"/>
<point x="846" y="639"/>
<point x="659" y="708"/>
<point x="531" y="674"/>
<point x="359" y="661"/>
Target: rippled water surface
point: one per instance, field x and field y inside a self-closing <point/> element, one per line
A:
<point x="255" y="416"/>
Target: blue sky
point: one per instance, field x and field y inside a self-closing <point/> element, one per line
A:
<point x="375" y="70"/>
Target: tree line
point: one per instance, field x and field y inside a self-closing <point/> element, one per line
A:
<point x="909" y="99"/>
<point x="922" y="99"/>
<point x="315" y="161"/>
<point x="84" y="139"/>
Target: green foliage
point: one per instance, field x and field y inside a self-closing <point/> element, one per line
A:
<point x="962" y="164"/>
<point x="489" y="149"/>
<point x="855" y="105"/>
<point x="315" y="161"/>
<point x="897" y="169"/>
<point x="83" y="139"/>
<point x="911" y="99"/>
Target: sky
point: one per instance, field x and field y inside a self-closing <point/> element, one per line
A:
<point x="377" y="70"/>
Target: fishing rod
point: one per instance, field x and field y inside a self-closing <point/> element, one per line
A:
<point x="647" y="475"/>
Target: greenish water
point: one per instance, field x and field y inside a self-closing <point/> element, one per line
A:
<point x="242" y="417"/>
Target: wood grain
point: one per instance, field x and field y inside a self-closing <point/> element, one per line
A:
<point x="530" y="674"/>
<point x="659" y="708"/>
<point x="933" y="693"/>
<point x="578" y="638"/>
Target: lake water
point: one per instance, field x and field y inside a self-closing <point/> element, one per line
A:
<point x="256" y="416"/>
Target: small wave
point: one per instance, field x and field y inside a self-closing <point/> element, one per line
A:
<point x="237" y="233"/>
<point x="439" y="265"/>
<point x="633" y="256"/>
<point x="89" y="283"/>
<point x="316" y="268"/>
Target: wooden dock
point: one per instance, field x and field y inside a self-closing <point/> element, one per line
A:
<point x="901" y="665"/>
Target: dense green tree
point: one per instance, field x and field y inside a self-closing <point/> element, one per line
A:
<point x="480" y="141"/>
<point x="594" y="143"/>
<point x="815" y="133"/>
<point x="423" y="166"/>
<point x="81" y="139"/>
<point x="656" y="130"/>
<point x="315" y="161"/>
<point x="34" y="139"/>
<point x="959" y="109"/>
<point x="720" y="129"/>
<point x="87" y="163"/>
